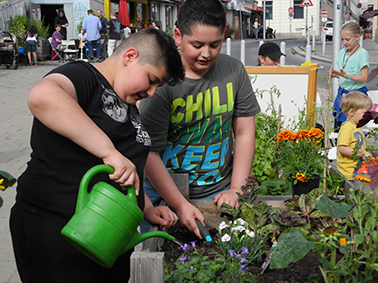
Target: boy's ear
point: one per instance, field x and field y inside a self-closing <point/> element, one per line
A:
<point x="177" y="34"/>
<point x="129" y="56"/>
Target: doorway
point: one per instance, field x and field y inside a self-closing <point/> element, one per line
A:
<point x="48" y="14"/>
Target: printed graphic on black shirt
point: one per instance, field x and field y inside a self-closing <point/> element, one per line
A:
<point x="120" y="111"/>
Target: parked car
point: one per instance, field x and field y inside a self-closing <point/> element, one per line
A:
<point x="328" y="29"/>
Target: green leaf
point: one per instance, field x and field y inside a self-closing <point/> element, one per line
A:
<point x="292" y="245"/>
<point x="333" y="209"/>
<point x="325" y="263"/>
<point x="9" y="180"/>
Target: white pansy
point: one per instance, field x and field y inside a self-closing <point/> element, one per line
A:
<point x="250" y="233"/>
<point x="241" y="221"/>
<point x="226" y="238"/>
<point x="238" y="229"/>
<point x="223" y="225"/>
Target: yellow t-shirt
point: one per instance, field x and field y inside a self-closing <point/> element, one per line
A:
<point x="351" y="136"/>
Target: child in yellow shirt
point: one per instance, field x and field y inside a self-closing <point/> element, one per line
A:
<point x="354" y="106"/>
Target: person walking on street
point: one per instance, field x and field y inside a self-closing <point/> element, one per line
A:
<point x="103" y="31"/>
<point x="256" y="26"/>
<point x="92" y="26"/>
<point x="31" y="38"/>
<point x="62" y="21"/>
<point x="114" y="31"/>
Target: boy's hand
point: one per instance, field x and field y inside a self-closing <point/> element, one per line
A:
<point x="229" y="197"/>
<point x="188" y="214"/>
<point x="161" y="215"/>
<point x="124" y="170"/>
<point x="366" y="155"/>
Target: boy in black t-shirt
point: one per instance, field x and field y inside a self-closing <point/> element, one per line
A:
<point x="114" y="31"/>
<point x="85" y="115"/>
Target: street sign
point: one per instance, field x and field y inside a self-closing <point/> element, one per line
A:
<point x="306" y="3"/>
<point x="324" y="12"/>
<point x="359" y="5"/>
<point x="346" y="15"/>
<point x="291" y="15"/>
<point x="291" y="10"/>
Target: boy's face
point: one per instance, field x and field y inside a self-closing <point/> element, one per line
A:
<point x="136" y="81"/>
<point x="267" y="61"/>
<point x="356" y="116"/>
<point x="199" y="50"/>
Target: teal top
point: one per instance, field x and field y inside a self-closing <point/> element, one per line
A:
<point x="352" y="65"/>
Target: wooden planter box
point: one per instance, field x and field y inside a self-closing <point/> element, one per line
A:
<point x="44" y="51"/>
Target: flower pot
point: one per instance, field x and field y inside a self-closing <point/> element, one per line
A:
<point x="306" y="187"/>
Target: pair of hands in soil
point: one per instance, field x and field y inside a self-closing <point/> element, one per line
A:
<point x="188" y="213"/>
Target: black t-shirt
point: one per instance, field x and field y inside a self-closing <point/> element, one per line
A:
<point x="114" y="27"/>
<point x="52" y="178"/>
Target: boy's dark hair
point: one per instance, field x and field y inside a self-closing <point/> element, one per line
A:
<point x="90" y="11"/>
<point x="203" y="12"/>
<point x="158" y="49"/>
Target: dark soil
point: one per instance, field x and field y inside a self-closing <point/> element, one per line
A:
<point x="296" y="272"/>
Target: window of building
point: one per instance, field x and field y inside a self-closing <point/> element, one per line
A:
<point x="298" y="10"/>
<point x="269" y="10"/>
<point x="155" y="15"/>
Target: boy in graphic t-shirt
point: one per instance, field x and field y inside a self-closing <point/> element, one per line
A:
<point x="193" y="125"/>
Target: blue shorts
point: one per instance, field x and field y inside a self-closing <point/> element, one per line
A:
<point x="31" y="46"/>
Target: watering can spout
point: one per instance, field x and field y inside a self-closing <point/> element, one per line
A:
<point x="138" y="238"/>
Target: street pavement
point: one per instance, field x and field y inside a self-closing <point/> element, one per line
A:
<point x="15" y="127"/>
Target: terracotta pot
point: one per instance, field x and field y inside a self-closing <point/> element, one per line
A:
<point x="306" y="187"/>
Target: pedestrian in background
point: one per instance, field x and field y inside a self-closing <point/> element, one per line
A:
<point x="269" y="54"/>
<point x="63" y="22"/>
<point x="31" y="38"/>
<point x="353" y="62"/>
<point x="256" y="28"/>
<point x="103" y="31"/>
<point x="92" y="26"/>
<point x="127" y="32"/>
<point x="114" y="31"/>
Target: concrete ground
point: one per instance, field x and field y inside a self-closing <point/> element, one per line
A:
<point x="15" y="126"/>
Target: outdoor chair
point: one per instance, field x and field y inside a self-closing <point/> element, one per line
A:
<point x="55" y="53"/>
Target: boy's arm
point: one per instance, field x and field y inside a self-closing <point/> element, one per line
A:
<point x="348" y="151"/>
<point x="53" y="101"/>
<point x="158" y="175"/>
<point x="244" y="150"/>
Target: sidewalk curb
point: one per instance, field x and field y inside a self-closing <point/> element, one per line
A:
<point x="322" y="58"/>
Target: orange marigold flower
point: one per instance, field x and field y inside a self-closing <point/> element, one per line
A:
<point x="315" y="133"/>
<point x="293" y="136"/>
<point x="278" y="139"/>
<point x="342" y="241"/>
<point x="363" y="179"/>
<point x="303" y="134"/>
<point x="285" y="134"/>
<point x="301" y="177"/>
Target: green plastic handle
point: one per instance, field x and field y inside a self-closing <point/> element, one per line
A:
<point x="83" y="196"/>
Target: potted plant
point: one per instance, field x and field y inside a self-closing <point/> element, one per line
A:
<point x="301" y="158"/>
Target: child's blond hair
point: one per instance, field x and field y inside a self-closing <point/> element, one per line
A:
<point x="356" y="100"/>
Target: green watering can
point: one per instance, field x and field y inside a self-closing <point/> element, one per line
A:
<point x="105" y="222"/>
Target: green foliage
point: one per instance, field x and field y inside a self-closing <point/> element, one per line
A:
<point x="230" y="31"/>
<point x="20" y="24"/>
<point x="278" y="187"/>
<point x="169" y="30"/>
<point x="291" y="246"/>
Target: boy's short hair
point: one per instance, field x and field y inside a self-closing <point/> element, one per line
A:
<point x="355" y="99"/>
<point x="204" y="12"/>
<point x="158" y="49"/>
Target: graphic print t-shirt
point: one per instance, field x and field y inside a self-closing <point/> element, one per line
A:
<point x="190" y="124"/>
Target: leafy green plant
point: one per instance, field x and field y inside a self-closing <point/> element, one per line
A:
<point x="278" y="187"/>
<point x="19" y="24"/>
<point x="193" y="266"/>
<point x="169" y="30"/>
<point x="230" y="31"/>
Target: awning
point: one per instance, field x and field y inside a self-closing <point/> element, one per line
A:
<point x="123" y="13"/>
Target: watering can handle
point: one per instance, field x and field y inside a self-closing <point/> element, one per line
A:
<point x="83" y="196"/>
